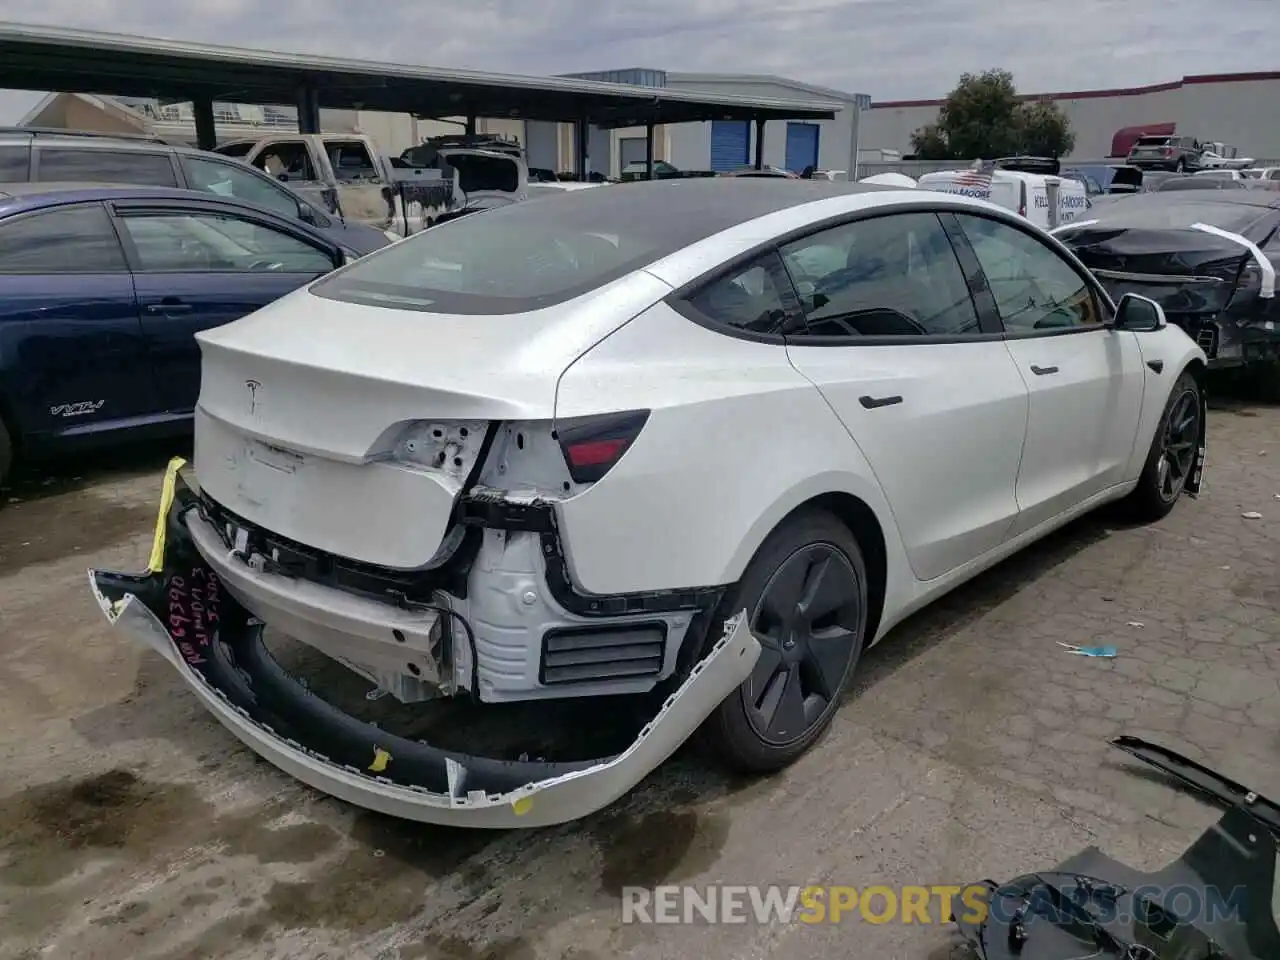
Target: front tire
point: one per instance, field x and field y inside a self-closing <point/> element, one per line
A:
<point x="1172" y="456"/>
<point x="805" y="593"/>
<point x="1180" y="166"/>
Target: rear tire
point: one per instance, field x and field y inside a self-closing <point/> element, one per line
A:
<point x="6" y="454"/>
<point x="805" y="593"/>
<point x="1170" y="460"/>
<point x="1180" y="166"/>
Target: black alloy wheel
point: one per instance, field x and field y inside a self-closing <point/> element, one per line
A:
<point x="808" y="621"/>
<point x="1179" y="444"/>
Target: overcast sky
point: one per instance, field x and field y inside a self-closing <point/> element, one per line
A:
<point x="891" y="49"/>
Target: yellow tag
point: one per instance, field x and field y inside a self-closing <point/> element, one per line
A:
<point x="156" y="563"/>
<point x="522" y="806"/>
<point x="380" y="760"/>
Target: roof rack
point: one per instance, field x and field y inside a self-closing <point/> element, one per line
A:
<point x="59" y="132"/>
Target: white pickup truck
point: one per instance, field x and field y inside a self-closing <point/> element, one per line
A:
<point x="348" y="174"/>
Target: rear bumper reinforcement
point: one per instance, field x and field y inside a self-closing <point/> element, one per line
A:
<point x="181" y="609"/>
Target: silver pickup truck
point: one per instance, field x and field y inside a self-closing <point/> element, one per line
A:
<point x="348" y="174"/>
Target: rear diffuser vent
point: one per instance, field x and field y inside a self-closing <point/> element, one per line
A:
<point x="591" y="654"/>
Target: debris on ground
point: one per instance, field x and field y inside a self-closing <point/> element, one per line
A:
<point x="1088" y="651"/>
<point x="1251" y="515"/>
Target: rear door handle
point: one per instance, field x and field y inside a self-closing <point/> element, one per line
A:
<point x="1043" y="371"/>
<point x="872" y="403"/>
<point x="169" y="306"/>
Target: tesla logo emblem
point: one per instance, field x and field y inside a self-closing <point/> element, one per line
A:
<point x="253" y="386"/>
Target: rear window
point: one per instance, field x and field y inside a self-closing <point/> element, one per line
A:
<point x="539" y="252"/>
<point x="1198" y="183"/>
<point x="1153" y="141"/>
<point x="1139" y="213"/>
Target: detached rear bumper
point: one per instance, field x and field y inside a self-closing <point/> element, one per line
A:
<point x="182" y="610"/>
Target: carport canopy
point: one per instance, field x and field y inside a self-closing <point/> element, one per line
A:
<point x="55" y="59"/>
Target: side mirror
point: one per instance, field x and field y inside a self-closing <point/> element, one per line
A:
<point x="307" y="214"/>
<point x="1139" y="314"/>
<point x="282" y="177"/>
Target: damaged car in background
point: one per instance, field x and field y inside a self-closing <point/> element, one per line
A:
<point x="670" y="442"/>
<point x="1207" y="257"/>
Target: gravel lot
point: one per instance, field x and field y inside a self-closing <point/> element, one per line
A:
<point x="132" y="826"/>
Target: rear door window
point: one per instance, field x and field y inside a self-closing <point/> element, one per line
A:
<point x="351" y="161"/>
<point x="80" y="165"/>
<point x="65" y="240"/>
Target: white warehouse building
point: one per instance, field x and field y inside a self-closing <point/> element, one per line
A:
<point x="1238" y="109"/>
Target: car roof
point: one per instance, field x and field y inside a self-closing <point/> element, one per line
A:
<point x="699" y="207"/>
<point x="18" y="197"/>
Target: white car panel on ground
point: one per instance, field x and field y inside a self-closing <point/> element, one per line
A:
<point x="549" y="454"/>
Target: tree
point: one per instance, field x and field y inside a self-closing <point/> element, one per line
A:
<point x="930" y="143"/>
<point x="983" y="118"/>
<point x="1043" y="129"/>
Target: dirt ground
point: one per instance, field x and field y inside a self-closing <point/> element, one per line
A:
<point x="134" y="827"/>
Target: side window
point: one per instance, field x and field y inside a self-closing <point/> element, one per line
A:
<point x="72" y="165"/>
<point x="1274" y="175"/>
<point x="207" y="242"/>
<point x="889" y="276"/>
<point x="1034" y="288"/>
<point x="228" y="180"/>
<point x="64" y="240"/>
<point x="350" y="160"/>
<point x="14" y="163"/>
<point x="756" y="297"/>
<point x="290" y="158"/>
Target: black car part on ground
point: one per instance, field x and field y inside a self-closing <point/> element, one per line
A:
<point x="219" y="639"/>
<point x="1209" y="285"/>
<point x="1212" y="903"/>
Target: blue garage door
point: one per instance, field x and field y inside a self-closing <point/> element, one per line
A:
<point x="730" y="144"/>
<point x="802" y="146"/>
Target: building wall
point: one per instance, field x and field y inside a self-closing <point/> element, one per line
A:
<point x="690" y="143"/>
<point x="1242" y="110"/>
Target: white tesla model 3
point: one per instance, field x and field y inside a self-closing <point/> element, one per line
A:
<point x="550" y="450"/>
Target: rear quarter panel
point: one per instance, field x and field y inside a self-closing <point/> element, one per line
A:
<point x="736" y="440"/>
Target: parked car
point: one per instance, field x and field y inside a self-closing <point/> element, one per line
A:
<point x="1179" y="154"/>
<point x="72" y="157"/>
<point x="1221" y="173"/>
<point x="102" y="290"/>
<point x="1208" y="257"/>
<point x="573" y="502"/>
<point x="1177" y="183"/>
<point x="639" y="171"/>
<point x="399" y="195"/>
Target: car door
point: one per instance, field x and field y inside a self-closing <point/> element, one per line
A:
<point x="197" y="266"/>
<point x="72" y="358"/>
<point x="366" y="197"/>
<point x="892" y="338"/>
<point x="1085" y="379"/>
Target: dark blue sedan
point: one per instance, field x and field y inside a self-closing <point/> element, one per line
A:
<point x="102" y="289"/>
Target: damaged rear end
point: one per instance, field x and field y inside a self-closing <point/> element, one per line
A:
<point x="1200" y="260"/>
<point x="379" y="478"/>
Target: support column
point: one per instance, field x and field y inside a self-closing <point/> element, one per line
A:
<point x="760" y="143"/>
<point x="648" y="150"/>
<point x="308" y="109"/>
<point x="582" y="135"/>
<point x="206" y="131"/>
<point x="471" y="125"/>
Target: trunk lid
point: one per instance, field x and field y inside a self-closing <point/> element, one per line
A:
<point x="352" y="428"/>
<point x="1189" y="273"/>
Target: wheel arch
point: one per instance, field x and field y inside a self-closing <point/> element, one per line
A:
<point x="857" y="510"/>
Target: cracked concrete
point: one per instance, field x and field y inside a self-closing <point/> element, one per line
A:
<point x="133" y="826"/>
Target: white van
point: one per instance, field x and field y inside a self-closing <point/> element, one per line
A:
<point x="1047" y="201"/>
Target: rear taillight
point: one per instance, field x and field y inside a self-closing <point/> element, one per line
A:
<point x="592" y="445"/>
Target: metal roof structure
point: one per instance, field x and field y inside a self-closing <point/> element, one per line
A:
<point x="52" y="58"/>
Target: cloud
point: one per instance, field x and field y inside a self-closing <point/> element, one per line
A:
<point x="889" y="49"/>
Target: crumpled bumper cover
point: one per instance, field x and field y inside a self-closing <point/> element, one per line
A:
<point x="180" y="609"/>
